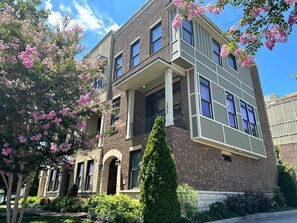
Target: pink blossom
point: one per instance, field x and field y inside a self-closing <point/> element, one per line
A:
<point x="22" y="139"/>
<point x="244" y="38"/>
<point x="66" y="146"/>
<point x="194" y="10"/>
<point x="80" y="126"/>
<point x="54" y="148"/>
<point x="98" y="137"/>
<point x="27" y="57"/>
<point x="238" y="52"/>
<point x="232" y="29"/>
<point x="36" y="137"/>
<point x="84" y="99"/>
<point x="292" y="18"/>
<point x="46" y="126"/>
<point x="64" y="111"/>
<point x="6" y="151"/>
<point x="216" y="11"/>
<point x="57" y="120"/>
<point x="51" y="115"/>
<point x="177" y="21"/>
<point x="179" y="3"/>
<point x="5" y="145"/>
<point x="247" y="62"/>
<point x="224" y="51"/>
<point x="45" y="133"/>
<point x="290" y="2"/>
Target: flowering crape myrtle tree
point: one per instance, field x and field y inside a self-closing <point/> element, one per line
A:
<point x="264" y="22"/>
<point x="45" y="94"/>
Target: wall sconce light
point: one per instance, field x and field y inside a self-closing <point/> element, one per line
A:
<point x="117" y="162"/>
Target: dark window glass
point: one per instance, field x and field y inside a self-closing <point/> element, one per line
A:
<point x="216" y="52"/>
<point x="118" y="66"/>
<point x="57" y="179"/>
<point x="135" y="164"/>
<point x="99" y="83"/>
<point x="51" y="180"/>
<point x="155" y="105"/>
<point x="90" y="175"/>
<point x="232" y="61"/>
<point x="187" y="31"/>
<point x="156" y="38"/>
<point x="205" y="98"/>
<point x="248" y="118"/>
<point x="227" y="157"/>
<point x="231" y="110"/>
<point x="135" y="53"/>
<point x="79" y="176"/>
<point x="116" y="103"/>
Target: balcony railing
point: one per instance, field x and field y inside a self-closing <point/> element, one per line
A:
<point x="146" y="124"/>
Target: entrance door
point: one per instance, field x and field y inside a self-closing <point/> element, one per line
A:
<point x="112" y="177"/>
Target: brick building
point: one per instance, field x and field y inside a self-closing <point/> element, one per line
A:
<point x="282" y="115"/>
<point x="215" y="114"/>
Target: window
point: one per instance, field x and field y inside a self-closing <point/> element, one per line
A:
<point x="231" y="110"/>
<point x="232" y="61"/>
<point x="135" y="164"/>
<point x="51" y="180"/>
<point x="79" y="176"/>
<point x="99" y="83"/>
<point x="226" y="157"/>
<point x="57" y="179"/>
<point x="187" y="31"/>
<point x="205" y="97"/>
<point x="90" y="174"/>
<point x="156" y="38"/>
<point x="118" y="66"/>
<point x="116" y="103"/>
<point x="135" y="54"/>
<point x="248" y="118"/>
<point x="216" y="52"/>
<point x="155" y="105"/>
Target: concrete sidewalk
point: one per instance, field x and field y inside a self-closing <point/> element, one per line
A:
<point x="256" y="217"/>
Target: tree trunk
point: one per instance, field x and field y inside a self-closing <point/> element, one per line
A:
<point x="28" y="186"/>
<point x="8" y="184"/>
<point x="16" y="202"/>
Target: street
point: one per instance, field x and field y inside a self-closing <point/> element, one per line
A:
<point x="290" y="218"/>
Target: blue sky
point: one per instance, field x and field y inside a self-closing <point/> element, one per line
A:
<point x="99" y="16"/>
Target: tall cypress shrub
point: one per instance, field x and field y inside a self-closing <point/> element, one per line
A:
<point x="158" y="179"/>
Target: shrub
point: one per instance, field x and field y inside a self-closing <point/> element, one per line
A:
<point x="279" y="198"/>
<point x="187" y="198"/>
<point x="287" y="184"/>
<point x="158" y="179"/>
<point x="219" y="210"/>
<point x="113" y="208"/>
<point x="32" y="202"/>
<point x="65" y="204"/>
<point x="248" y="203"/>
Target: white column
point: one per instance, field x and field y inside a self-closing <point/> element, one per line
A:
<point x="102" y="127"/>
<point x="168" y="97"/>
<point x="130" y="113"/>
<point x="118" y="187"/>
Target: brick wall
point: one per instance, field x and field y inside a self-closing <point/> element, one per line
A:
<point x="288" y="153"/>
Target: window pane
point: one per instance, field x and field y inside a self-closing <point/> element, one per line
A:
<point x="135" y="61"/>
<point x="232" y="61"/>
<point x="217" y="59"/>
<point x="135" y="157"/>
<point x="157" y="45"/>
<point x="156" y="33"/>
<point x="244" y="113"/>
<point x="254" y="130"/>
<point x="232" y="121"/>
<point x="187" y="37"/>
<point x="205" y="93"/>
<point x="135" y="49"/>
<point x="246" y="126"/>
<point x="216" y="47"/>
<point x="187" y="25"/>
<point x="206" y="109"/>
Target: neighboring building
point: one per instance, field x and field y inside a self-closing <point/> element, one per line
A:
<point x="216" y="121"/>
<point x="282" y="114"/>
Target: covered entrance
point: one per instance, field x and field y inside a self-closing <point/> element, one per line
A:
<point x="112" y="177"/>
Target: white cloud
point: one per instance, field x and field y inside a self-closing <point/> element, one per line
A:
<point x="82" y="14"/>
<point x="65" y="8"/>
<point x="48" y="5"/>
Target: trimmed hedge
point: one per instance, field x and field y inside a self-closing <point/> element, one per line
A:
<point x="65" y="204"/>
<point x="113" y="208"/>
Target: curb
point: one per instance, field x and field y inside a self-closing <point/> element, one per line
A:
<point x="255" y="216"/>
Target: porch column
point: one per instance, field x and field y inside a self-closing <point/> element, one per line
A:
<point x="102" y="127"/>
<point x="119" y="168"/>
<point x="130" y="113"/>
<point x="168" y="97"/>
